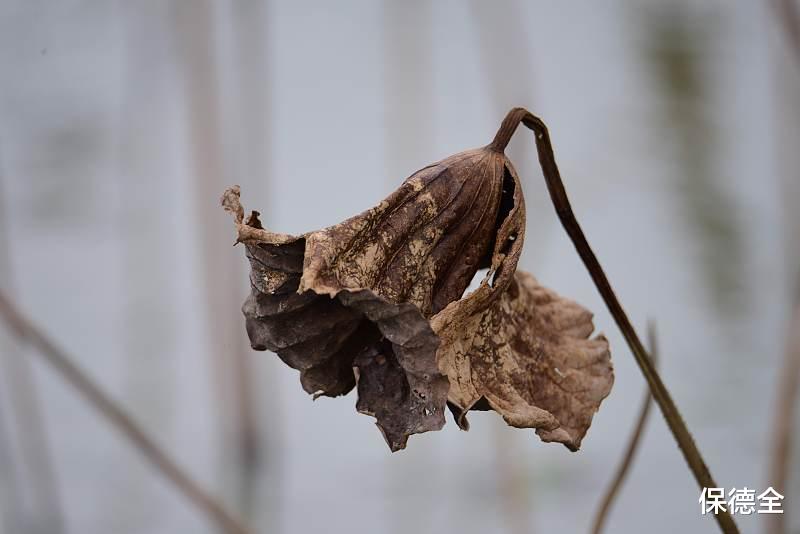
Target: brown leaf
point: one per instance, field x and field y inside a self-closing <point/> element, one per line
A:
<point x="359" y="294"/>
<point x="375" y="301"/>
<point x="525" y="352"/>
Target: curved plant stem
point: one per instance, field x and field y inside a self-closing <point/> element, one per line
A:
<point x="558" y="196"/>
<point x="58" y="359"/>
<point x="630" y="451"/>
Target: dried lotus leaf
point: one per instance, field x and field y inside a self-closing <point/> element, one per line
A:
<point x="348" y="296"/>
<point x="376" y="302"/>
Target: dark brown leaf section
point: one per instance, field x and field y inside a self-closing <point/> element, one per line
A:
<point x="399" y="382"/>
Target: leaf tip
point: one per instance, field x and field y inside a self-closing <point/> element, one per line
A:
<point x="230" y="202"/>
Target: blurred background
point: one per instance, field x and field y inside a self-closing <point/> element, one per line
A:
<point x="676" y="125"/>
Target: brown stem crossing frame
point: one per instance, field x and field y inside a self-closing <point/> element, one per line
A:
<point x="558" y="195"/>
<point x="119" y="418"/>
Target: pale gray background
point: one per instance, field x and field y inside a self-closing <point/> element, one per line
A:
<point x="122" y="122"/>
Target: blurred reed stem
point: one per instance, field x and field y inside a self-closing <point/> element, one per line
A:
<point x="786" y="403"/>
<point x="196" y="33"/>
<point x="46" y="510"/>
<point x="58" y="359"/>
<point x="787" y="16"/>
<point x="633" y="444"/>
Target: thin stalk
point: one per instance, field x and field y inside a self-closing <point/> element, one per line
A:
<point x="788" y="392"/>
<point x="630" y="451"/>
<point x="61" y="362"/>
<point x="788" y="16"/>
<point x="558" y="196"/>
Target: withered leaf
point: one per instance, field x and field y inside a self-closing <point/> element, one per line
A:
<point x="376" y="302"/>
<point x="350" y="303"/>
<point x="527" y="355"/>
